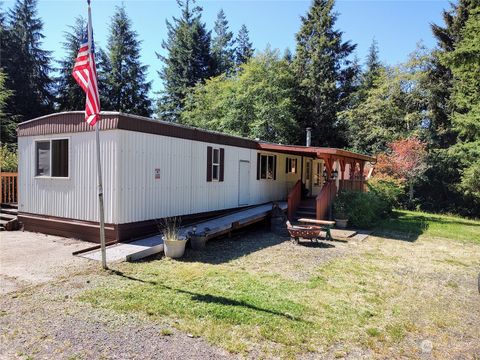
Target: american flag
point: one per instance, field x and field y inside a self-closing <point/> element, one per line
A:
<point x="85" y="74"/>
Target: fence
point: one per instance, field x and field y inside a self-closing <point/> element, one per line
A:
<point x="9" y="187"/>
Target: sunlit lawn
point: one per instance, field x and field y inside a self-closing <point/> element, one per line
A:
<point x="380" y="296"/>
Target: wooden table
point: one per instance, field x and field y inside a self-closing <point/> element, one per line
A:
<point x="325" y="224"/>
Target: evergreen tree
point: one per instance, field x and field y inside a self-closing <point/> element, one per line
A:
<point x="127" y="88"/>
<point x="222" y="46"/>
<point x="322" y="69"/>
<point x="373" y="66"/>
<point x="70" y="96"/>
<point x="7" y="123"/>
<point x="27" y="65"/>
<point x="244" y="49"/>
<point x="187" y="62"/>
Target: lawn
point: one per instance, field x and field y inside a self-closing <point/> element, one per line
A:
<point x="259" y="295"/>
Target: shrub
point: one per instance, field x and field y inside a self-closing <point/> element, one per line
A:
<point x="388" y="190"/>
<point x="365" y="209"/>
<point x="8" y="158"/>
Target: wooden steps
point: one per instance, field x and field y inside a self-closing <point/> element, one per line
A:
<point x="8" y="217"/>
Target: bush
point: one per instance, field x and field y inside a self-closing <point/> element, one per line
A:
<point x="8" y="159"/>
<point x="365" y="209"/>
<point x="388" y="190"/>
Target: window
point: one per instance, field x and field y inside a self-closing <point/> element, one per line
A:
<point x="317" y="174"/>
<point x="51" y="158"/>
<point x="267" y="167"/>
<point x="291" y="166"/>
<point x="308" y="170"/>
<point x="215" y="164"/>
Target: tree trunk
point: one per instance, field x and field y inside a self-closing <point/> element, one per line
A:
<point x="410" y="192"/>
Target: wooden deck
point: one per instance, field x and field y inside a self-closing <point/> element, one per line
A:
<point x="210" y="228"/>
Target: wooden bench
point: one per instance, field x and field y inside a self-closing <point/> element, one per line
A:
<point x="324" y="224"/>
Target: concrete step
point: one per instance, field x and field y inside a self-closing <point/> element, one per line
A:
<point x="9" y="211"/>
<point x="7" y="217"/>
<point x="9" y="206"/>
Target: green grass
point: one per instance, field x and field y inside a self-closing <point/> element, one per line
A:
<point x="372" y="298"/>
<point x="413" y="224"/>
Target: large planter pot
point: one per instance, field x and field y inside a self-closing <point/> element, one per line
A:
<point x="174" y="249"/>
<point x="198" y="242"/>
<point x="341" y="223"/>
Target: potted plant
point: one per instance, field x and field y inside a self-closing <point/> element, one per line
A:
<point x="173" y="242"/>
<point x="340" y="211"/>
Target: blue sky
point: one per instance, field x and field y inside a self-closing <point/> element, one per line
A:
<point x="396" y="25"/>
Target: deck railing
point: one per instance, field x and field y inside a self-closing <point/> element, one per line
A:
<point x="9" y="187"/>
<point x="352" y="185"/>
<point x="294" y="198"/>
<point x="324" y="198"/>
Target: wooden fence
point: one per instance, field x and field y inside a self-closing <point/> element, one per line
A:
<point x="9" y="187"/>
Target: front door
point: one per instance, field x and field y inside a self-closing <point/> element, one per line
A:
<point x="244" y="183"/>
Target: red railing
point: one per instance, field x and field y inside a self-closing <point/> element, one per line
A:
<point x="9" y="187"/>
<point x="324" y="198"/>
<point x="294" y="198"/>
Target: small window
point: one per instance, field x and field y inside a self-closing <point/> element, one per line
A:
<point x="51" y="158"/>
<point x="307" y="170"/>
<point x="267" y="167"/>
<point x="291" y="166"/>
<point x="216" y="164"/>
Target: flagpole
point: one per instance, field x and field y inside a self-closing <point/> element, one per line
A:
<point x="99" y="166"/>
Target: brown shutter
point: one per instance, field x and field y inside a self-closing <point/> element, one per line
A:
<point x="209" y="163"/>
<point x="258" y="166"/>
<point x="222" y="162"/>
<point x="275" y="167"/>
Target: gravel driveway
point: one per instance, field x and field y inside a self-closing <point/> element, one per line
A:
<point x="31" y="258"/>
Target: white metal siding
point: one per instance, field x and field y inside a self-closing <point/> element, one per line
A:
<point x="182" y="188"/>
<point x="74" y="197"/>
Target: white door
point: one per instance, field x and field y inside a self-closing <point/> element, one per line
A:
<point x="244" y="183"/>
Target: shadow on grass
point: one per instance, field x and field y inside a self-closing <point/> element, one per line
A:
<point x="208" y="298"/>
<point x="401" y="227"/>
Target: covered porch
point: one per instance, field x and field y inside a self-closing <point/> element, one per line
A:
<point x="323" y="172"/>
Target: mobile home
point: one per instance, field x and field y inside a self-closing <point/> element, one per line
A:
<point x="153" y="169"/>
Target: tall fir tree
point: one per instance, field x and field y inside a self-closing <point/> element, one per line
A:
<point x="373" y="66"/>
<point x="27" y="65"/>
<point x="323" y="70"/>
<point x="70" y="96"/>
<point x="244" y="48"/>
<point x="441" y="191"/>
<point x="188" y="60"/>
<point x="223" y="51"/>
<point x="127" y="87"/>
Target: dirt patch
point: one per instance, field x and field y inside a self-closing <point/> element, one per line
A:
<point x="30" y="259"/>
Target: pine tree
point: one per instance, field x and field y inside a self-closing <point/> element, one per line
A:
<point x="223" y="51"/>
<point x="7" y="123"/>
<point x="373" y="66"/>
<point x="127" y="87"/>
<point x="187" y="62"/>
<point x="27" y="65"/>
<point x="70" y="96"/>
<point x="322" y="68"/>
<point x="244" y="49"/>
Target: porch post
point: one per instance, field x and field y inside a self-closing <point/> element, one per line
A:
<point x="362" y="176"/>
<point x="342" y="173"/>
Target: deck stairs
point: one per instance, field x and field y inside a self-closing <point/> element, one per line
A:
<point x="8" y="217"/>
<point x="306" y="209"/>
